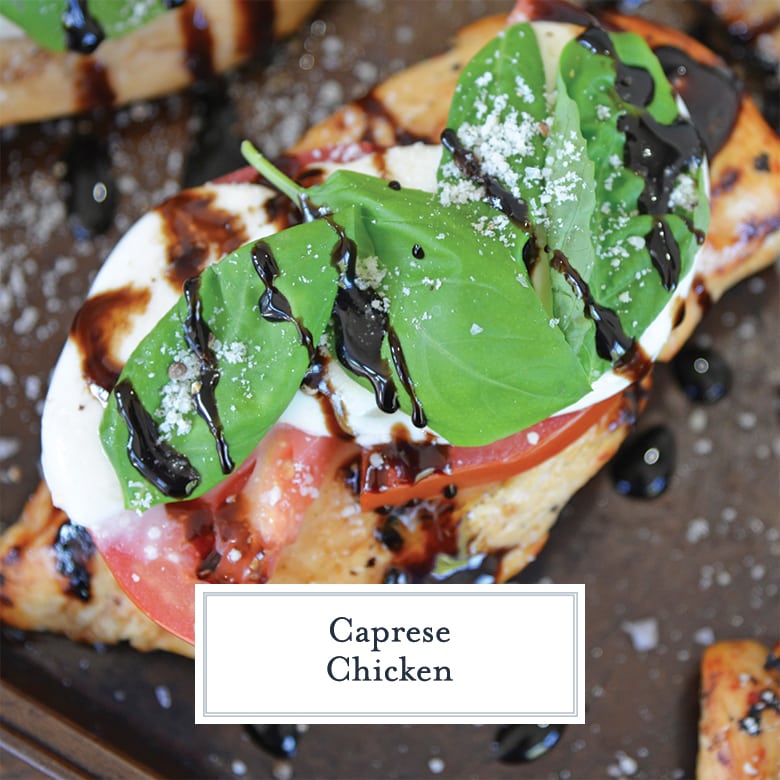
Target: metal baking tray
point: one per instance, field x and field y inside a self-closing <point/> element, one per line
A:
<point x="699" y="563"/>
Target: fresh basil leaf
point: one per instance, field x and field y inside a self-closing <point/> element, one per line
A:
<point x="43" y="21"/>
<point x="584" y="201"/>
<point x="483" y="357"/>
<point x="261" y="363"/>
<point x="623" y="278"/>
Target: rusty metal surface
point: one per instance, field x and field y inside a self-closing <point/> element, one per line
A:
<point x="701" y="562"/>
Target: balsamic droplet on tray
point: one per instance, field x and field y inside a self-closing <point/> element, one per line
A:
<point x="280" y="741"/>
<point x="702" y="373"/>
<point x="91" y="197"/>
<point x="644" y="465"/>
<point x="524" y="742"/>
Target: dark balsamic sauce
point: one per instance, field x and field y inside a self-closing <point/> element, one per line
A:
<point x="383" y="129"/>
<point x="751" y="723"/>
<point x="530" y="254"/>
<point x="761" y="163"/>
<point x="198" y="42"/>
<point x="273" y="305"/>
<point x="612" y="343"/>
<point x="74" y="550"/>
<point x="399" y="362"/>
<point x="772" y="662"/>
<point x="93" y="88"/>
<point x="99" y="324"/>
<point x="659" y="153"/>
<point x="522" y="743"/>
<point x="416" y="534"/>
<point x="229" y="546"/>
<point x="198" y="336"/>
<point x="403" y="462"/>
<point x="664" y="253"/>
<point x="360" y="325"/>
<point x="83" y="33"/>
<point x="712" y="94"/>
<point x="644" y="465"/>
<point x="91" y="194"/>
<point x="699" y="288"/>
<point x="702" y="373"/>
<point x="280" y="741"/>
<point x="156" y="460"/>
<point x="214" y="148"/>
<point x="395" y="576"/>
<point x="498" y="196"/>
<point x="255" y="32"/>
<point x="634" y="85"/>
<point x="389" y="533"/>
<point x="194" y="228"/>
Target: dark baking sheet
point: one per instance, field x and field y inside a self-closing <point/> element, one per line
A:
<point x="701" y="562"/>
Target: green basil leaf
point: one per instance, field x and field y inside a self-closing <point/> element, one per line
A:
<point x="481" y="352"/>
<point x="261" y="363"/>
<point x="42" y="20"/>
<point x="621" y="275"/>
<point x="583" y="200"/>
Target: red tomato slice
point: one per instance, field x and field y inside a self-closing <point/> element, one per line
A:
<point x="397" y="473"/>
<point x="234" y="533"/>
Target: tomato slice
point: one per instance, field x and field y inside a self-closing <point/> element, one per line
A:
<point x="234" y="533"/>
<point x="396" y="473"/>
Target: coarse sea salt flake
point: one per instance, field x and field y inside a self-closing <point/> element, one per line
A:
<point x="643" y="633"/>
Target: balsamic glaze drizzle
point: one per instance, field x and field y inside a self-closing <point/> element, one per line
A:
<point x="360" y="325"/>
<point x="612" y="342"/>
<point x="751" y="723"/>
<point x="498" y="196"/>
<point x="712" y="94"/>
<point x="633" y="84"/>
<point x="664" y="253"/>
<point x="83" y="33"/>
<point x="772" y="662"/>
<point x="399" y="361"/>
<point x="273" y="304"/>
<point x="74" y="549"/>
<point x="156" y="460"/>
<point x="198" y="336"/>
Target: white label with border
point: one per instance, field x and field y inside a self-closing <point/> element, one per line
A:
<point x="380" y="654"/>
